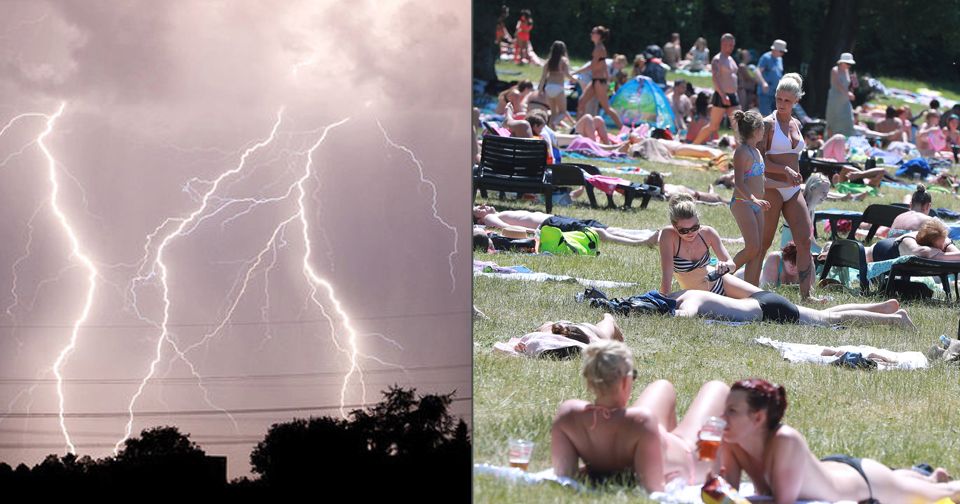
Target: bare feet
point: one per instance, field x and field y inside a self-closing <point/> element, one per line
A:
<point x="905" y="321"/>
<point x="940" y="475"/>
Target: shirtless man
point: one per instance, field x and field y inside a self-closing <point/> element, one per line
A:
<point x="890" y="124"/>
<point x="724" y="99"/>
<point x="490" y="217"/>
<point x="770" y="307"/>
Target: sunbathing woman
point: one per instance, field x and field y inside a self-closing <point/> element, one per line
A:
<point x="685" y="252"/>
<point x="669" y="190"/>
<point x="931" y="242"/>
<point x="514" y="95"/>
<point x="644" y="439"/>
<point x="920" y="203"/>
<point x="780" y="464"/>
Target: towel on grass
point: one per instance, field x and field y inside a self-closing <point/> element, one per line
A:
<point x="543" y="277"/>
<point x="627" y="170"/>
<point x="591" y="148"/>
<point x="798" y="352"/>
<point x="675" y="492"/>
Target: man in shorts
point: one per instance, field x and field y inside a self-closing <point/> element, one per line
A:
<point x="724" y="99"/>
<point x="489" y="216"/>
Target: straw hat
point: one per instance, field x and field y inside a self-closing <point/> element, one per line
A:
<point x="847" y="58"/>
<point x="514" y="232"/>
<point x="779" y="45"/>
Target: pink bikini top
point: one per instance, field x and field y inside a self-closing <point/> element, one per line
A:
<point x="781" y="143"/>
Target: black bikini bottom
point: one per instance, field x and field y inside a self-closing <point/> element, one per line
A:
<point x="858" y="466"/>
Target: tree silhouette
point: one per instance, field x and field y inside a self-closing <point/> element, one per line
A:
<point x="403" y="444"/>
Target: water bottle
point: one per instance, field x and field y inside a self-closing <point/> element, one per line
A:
<point x="944" y="340"/>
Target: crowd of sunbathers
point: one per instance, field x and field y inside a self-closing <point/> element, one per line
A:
<point x="646" y="439"/>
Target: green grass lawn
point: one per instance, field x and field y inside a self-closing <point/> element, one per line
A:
<point x="898" y="417"/>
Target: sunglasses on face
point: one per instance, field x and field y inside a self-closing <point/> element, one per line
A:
<point x="685" y="231"/>
<point x="634" y="373"/>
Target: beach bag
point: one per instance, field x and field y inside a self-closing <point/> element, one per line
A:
<point x="586" y="242"/>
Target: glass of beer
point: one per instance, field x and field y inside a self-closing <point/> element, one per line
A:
<point x="708" y="440"/>
<point x="520" y="452"/>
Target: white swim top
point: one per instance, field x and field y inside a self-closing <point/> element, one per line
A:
<point x="781" y="144"/>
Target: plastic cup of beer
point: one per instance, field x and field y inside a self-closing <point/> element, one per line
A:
<point x="520" y="452"/>
<point x="708" y="440"/>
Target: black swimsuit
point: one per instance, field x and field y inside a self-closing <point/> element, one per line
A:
<point x="857" y="464"/>
<point x="776" y="308"/>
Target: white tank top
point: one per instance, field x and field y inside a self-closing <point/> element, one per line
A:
<point x="781" y="144"/>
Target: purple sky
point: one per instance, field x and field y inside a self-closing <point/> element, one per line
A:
<point x="160" y="99"/>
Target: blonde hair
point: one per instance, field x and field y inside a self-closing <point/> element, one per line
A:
<point x="682" y="206"/>
<point x="604" y="363"/>
<point x="930" y="231"/>
<point x="792" y="83"/>
<point x="816" y="189"/>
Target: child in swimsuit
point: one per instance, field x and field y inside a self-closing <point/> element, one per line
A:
<point x="746" y="205"/>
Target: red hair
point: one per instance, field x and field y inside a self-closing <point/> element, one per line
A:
<point x="763" y="395"/>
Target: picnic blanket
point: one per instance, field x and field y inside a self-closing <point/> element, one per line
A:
<point x="798" y="352"/>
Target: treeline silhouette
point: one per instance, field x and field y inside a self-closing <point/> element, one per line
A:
<point x="404" y="445"/>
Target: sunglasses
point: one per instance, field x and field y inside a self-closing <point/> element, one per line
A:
<point x="634" y="373"/>
<point x="685" y="231"/>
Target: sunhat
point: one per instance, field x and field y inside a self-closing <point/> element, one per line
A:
<point x="779" y="45"/>
<point x="847" y="58"/>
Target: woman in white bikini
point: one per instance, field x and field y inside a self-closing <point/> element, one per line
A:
<point x="783" y="145"/>
<point x="555" y="72"/>
<point x="780" y="464"/>
<point x="644" y="440"/>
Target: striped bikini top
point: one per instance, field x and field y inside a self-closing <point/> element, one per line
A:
<point x="681" y="265"/>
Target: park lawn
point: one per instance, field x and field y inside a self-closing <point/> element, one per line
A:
<point x="898" y="417"/>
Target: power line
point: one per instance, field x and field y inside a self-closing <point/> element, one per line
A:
<point x="220" y="378"/>
<point x="227" y="324"/>
<point x="189" y="413"/>
<point x="53" y="446"/>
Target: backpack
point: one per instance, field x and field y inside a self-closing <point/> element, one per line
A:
<point x="586" y="242"/>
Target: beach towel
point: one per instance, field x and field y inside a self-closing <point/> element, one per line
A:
<point x="855" y="188"/>
<point x="541" y="344"/>
<point x="627" y="170"/>
<point x="606" y="183"/>
<point x="516" y="475"/>
<point x="674" y="492"/>
<point x="588" y="147"/>
<point x="797" y="352"/>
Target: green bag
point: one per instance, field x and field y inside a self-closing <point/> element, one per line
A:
<point x="586" y="242"/>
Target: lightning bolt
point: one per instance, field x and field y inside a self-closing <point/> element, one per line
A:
<point x="436" y="213"/>
<point x="164" y="273"/>
<point x="76" y="251"/>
